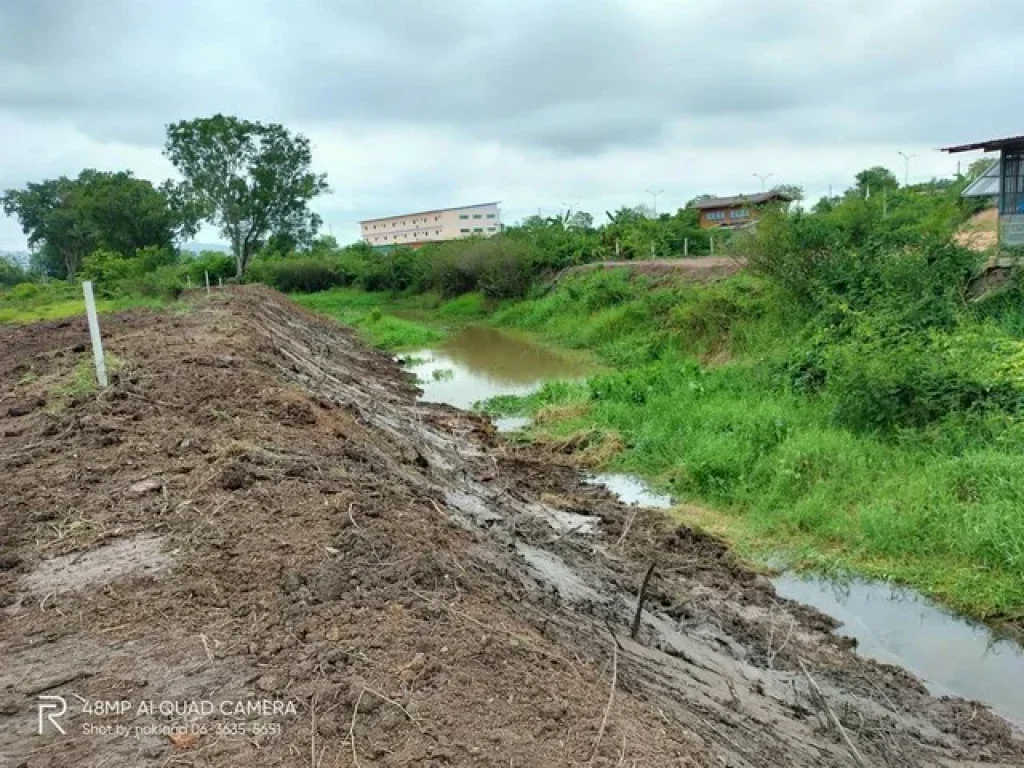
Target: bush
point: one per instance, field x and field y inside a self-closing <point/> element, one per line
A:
<point x="114" y="274"/>
<point x="218" y="265"/>
<point x="500" y="267"/>
<point x="398" y="269"/>
<point x="12" y="272"/>
<point x="24" y="291"/>
<point x="296" y="274"/>
<point x="914" y="380"/>
<point x="108" y="270"/>
<point x="165" y="282"/>
<point x="505" y="268"/>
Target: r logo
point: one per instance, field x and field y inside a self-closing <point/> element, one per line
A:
<point x="50" y="709"/>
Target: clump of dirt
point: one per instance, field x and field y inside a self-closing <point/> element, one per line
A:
<point x="349" y="577"/>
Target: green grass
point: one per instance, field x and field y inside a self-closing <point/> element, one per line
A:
<point x="785" y="483"/>
<point x="770" y="470"/>
<point x="366" y="312"/>
<point x="57" y="308"/>
<point x="83" y="376"/>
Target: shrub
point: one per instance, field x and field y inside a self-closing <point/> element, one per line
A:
<point x="296" y="274"/>
<point x="218" y="265"/>
<point x="12" y="272"/>
<point x="166" y="282"/>
<point x="24" y="291"/>
<point x="913" y="380"/>
<point x="499" y="267"/>
<point x="108" y="270"/>
<point x="398" y="269"/>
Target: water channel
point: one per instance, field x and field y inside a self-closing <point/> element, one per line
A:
<point x="951" y="655"/>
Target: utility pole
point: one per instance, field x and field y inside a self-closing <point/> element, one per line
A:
<point x="906" y="166"/>
<point x="763" y="177"/>
<point x="654" y="193"/>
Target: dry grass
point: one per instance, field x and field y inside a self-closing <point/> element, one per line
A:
<point x="554" y="413"/>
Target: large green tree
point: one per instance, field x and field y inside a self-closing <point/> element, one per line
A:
<point x="67" y="219"/>
<point x="875" y="179"/>
<point x="251" y="179"/>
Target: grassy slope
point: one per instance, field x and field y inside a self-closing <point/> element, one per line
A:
<point x="922" y="510"/>
<point x="363" y="310"/>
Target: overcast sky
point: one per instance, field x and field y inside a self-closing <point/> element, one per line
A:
<point x="542" y="104"/>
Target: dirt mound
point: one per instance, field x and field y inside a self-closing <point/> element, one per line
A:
<point x="981" y="231"/>
<point x="258" y="531"/>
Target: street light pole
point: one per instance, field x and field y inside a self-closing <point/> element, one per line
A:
<point x="654" y="193"/>
<point x="906" y="167"/>
<point x="763" y="177"/>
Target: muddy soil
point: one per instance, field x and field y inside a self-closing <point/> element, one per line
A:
<point x="258" y="517"/>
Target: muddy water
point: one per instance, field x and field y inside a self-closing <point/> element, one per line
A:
<point x="896" y="626"/>
<point x="478" y="363"/>
<point x="631" y="490"/>
<point x="952" y="656"/>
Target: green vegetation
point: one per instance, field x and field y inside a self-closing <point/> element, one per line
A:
<point x="841" y="404"/>
<point x="253" y="180"/>
<point x="362" y="310"/>
<point x="67" y="219"/>
<point x="844" y="407"/>
<point x="31" y="302"/>
<point x="792" y="472"/>
<point x="83" y="376"/>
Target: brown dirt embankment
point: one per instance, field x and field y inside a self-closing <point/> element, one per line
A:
<point x="258" y="510"/>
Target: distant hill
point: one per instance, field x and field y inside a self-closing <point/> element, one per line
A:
<point x="200" y="247"/>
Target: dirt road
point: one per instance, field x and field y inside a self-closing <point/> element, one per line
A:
<point x="257" y="531"/>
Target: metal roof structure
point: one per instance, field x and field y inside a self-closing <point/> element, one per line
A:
<point x="431" y="210"/>
<point x="738" y="200"/>
<point x="989" y="146"/>
<point x="986" y="185"/>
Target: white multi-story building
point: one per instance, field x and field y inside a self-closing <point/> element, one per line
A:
<point x="482" y="220"/>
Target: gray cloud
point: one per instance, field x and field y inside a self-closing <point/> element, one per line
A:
<point x="547" y="86"/>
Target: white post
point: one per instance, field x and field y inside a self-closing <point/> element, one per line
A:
<point x="220" y="280"/>
<point x="188" y="282"/>
<point x="617" y="248"/>
<point x="207" y="273"/>
<point x="652" y="249"/>
<point x="94" y="334"/>
<point x="712" y="245"/>
<point x="686" y="246"/>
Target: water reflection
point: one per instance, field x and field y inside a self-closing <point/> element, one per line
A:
<point x="478" y="363"/>
<point x="950" y="655"/>
<point x="631" y="490"/>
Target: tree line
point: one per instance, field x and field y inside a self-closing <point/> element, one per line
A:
<point x="254" y="181"/>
